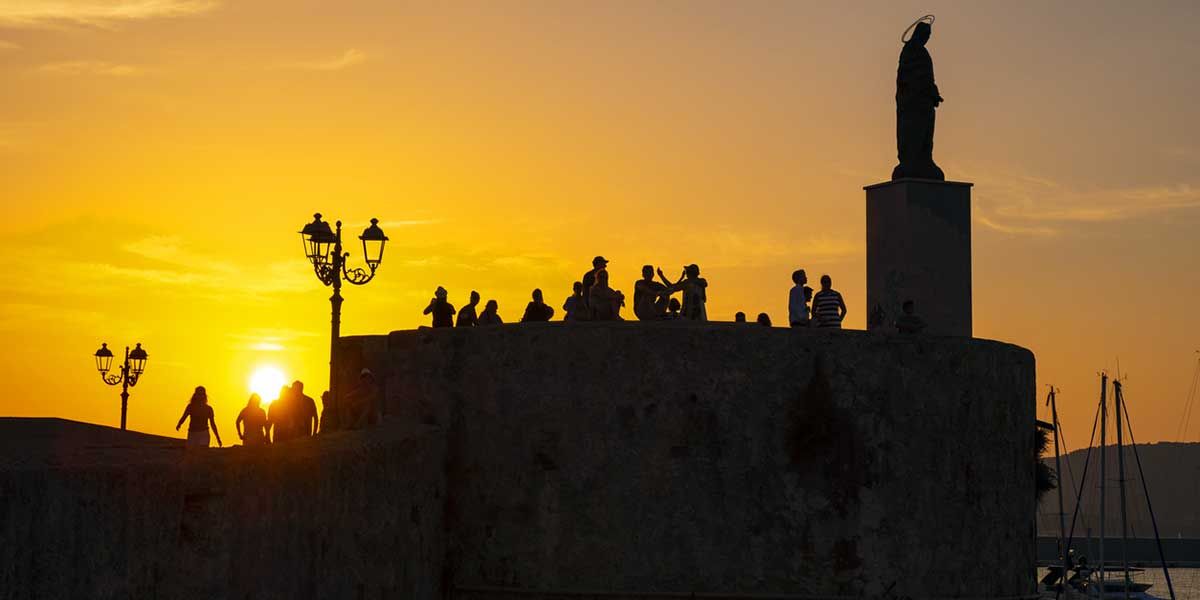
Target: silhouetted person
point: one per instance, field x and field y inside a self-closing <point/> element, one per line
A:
<point x="363" y="402"/>
<point x="251" y="423"/>
<point x="695" y="294"/>
<point x="764" y="319"/>
<point x="909" y="322"/>
<point x="201" y="418"/>
<point x="827" y="306"/>
<point x="490" y="316"/>
<point x="917" y="98"/>
<point x="305" y="412"/>
<point x="605" y="302"/>
<point x="443" y="311"/>
<point x="330" y="420"/>
<point x="280" y="423"/>
<point x="798" y="298"/>
<point x="466" y="316"/>
<point x="537" y="310"/>
<point x="876" y="317"/>
<point x="574" y="308"/>
<point x="739" y="317"/>
<point x="673" y="309"/>
<point x="589" y="279"/>
<point x="650" y="298"/>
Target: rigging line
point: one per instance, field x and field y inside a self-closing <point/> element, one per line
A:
<point x="1189" y="404"/>
<point x="1083" y="480"/>
<point x="1146" y="491"/>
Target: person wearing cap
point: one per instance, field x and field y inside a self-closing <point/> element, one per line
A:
<point x="589" y="279"/>
<point x="443" y="311"/>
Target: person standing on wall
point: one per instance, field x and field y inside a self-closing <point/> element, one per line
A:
<point x="201" y="418"/>
<point x="827" y="306"/>
<point x="798" y="300"/>
<point x="251" y="423"/>
<point x="304" y="411"/>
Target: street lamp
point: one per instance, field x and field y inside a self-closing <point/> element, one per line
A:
<point x="323" y="248"/>
<point x="130" y="370"/>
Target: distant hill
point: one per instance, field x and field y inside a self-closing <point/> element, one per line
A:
<point x="1172" y="475"/>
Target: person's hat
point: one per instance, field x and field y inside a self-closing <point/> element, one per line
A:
<point x="599" y="260"/>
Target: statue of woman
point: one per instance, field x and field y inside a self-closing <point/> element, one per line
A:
<point x="916" y="98"/>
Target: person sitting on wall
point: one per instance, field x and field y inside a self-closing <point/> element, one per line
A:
<point x="537" y="310"/>
<point x="764" y="319"/>
<point x="489" y="316"/>
<point x="251" y="423"/>
<point x="363" y="402"/>
<point x="605" y="303"/>
<point x="574" y="307"/>
<point x="443" y="311"/>
<point x="650" y="298"/>
<point x="466" y="316"/>
<point x="909" y="322"/>
<point x="589" y="279"/>
<point x="739" y="317"/>
<point x="695" y="295"/>
<point x="828" y="307"/>
<point x="673" y="310"/>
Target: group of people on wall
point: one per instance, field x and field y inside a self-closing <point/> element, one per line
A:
<point x="294" y="414"/>
<point x="594" y="299"/>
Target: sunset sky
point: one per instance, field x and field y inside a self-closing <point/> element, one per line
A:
<point x="157" y="158"/>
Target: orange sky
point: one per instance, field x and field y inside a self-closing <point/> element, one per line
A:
<point x="157" y="158"/>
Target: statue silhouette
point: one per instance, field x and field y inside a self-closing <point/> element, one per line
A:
<point x="916" y="100"/>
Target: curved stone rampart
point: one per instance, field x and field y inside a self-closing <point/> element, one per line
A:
<point x="722" y="458"/>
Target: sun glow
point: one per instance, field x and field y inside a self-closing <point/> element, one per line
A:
<point x="266" y="381"/>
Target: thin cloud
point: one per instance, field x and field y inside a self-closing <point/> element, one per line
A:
<point x="349" y="58"/>
<point x="96" y="13"/>
<point x="409" y="223"/>
<point x="1018" y="204"/>
<point x="91" y="67"/>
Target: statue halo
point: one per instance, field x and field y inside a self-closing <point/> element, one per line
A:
<point x="925" y="19"/>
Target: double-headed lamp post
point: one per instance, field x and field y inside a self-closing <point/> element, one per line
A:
<point x="130" y="370"/>
<point x="323" y="247"/>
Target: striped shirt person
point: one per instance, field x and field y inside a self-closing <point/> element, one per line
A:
<point x="828" y="308"/>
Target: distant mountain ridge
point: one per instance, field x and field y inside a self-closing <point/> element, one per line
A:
<point x="1172" y="475"/>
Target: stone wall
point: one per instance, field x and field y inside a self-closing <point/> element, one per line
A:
<point x="722" y="458"/>
<point x="91" y="512"/>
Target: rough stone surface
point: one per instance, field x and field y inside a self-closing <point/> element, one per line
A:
<point x="92" y="512"/>
<point x="722" y="458"/>
<point x="919" y="248"/>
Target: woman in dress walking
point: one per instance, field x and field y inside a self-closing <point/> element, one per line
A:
<point x="201" y="415"/>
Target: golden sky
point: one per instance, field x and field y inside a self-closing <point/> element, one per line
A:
<point x="157" y="158"/>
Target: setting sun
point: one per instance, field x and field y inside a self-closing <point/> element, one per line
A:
<point x="266" y="381"/>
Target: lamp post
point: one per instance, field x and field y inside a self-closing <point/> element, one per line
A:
<point x="130" y="370"/>
<point x="323" y="248"/>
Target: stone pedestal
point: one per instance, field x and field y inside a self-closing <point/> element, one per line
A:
<point x="919" y="249"/>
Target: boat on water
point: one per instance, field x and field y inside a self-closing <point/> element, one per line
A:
<point x="1073" y="578"/>
<point x="1084" y="583"/>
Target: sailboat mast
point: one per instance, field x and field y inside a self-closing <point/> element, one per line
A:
<point x="1118" y="401"/>
<point x="1062" y="515"/>
<point x="1103" y="474"/>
